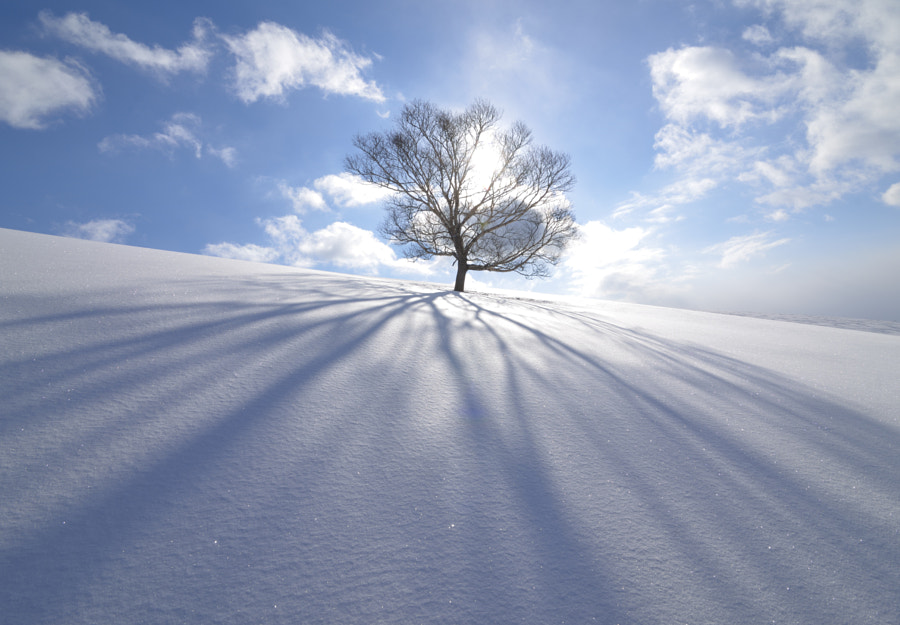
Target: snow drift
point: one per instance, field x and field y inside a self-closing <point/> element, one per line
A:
<point x="187" y="439"/>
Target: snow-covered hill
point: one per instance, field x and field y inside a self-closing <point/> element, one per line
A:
<point x="187" y="439"/>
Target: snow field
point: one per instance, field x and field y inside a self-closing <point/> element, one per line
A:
<point x="188" y="439"/>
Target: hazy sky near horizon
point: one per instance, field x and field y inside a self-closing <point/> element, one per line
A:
<point x="735" y="155"/>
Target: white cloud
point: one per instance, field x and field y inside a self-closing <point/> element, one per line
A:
<point x="227" y="155"/>
<point x="702" y="162"/>
<point x="659" y="206"/>
<point x="285" y="233"/>
<point x="818" y="193"/>
<point x="344" y="190"/>
<point x="779" y="173"/>
<point x="836" y="22"/>
<point x="741" y="249"/>
<point x="249" y="251"/>
<point x="273" y="58"/>
<point x="864" y="126"/>
<point x="339" y="244"/>
<point x="617" y="264"/>
<point x="758" y="35"/>
<point x="104" y="230"/>
<point x="177" y="132"/>
<point x="852" y="118"/>
<point x="345" y="245"/>
<point x="347" y="189"/>
<point x="34" y="88"/>
<point x="778" y="215"/>
<point x="891" y="197"/>
<point x="180" y="132"/>
<point x="79" y="29"/>
<point x="303" y="198"/>
<point x="709" y="83"/>
<point x="834" y="98"/>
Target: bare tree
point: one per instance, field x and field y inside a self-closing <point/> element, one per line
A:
<point x="467" y="189"/>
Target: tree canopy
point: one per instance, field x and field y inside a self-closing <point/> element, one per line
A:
<point x="466" y="188"/>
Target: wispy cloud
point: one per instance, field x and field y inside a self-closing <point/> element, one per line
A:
<point x="79" y="29"/>
<point x="703" y="163"/>
<point x="517" y="66"/>
<point x="104" y="230"/>
<point x="180" y="132"/>
<point x="272" y="59"/>
<point x="758" y="35"/>
<point x="659" y="207"/>
<point x="227" y="155"/>
<point x="743" y="248"/>
<point x="34" y="89"/>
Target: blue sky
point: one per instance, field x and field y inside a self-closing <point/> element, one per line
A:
<point x="731" y="155"/>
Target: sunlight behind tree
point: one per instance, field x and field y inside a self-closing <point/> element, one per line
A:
<point x="466" y="189"/>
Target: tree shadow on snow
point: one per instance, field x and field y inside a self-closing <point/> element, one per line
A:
<point x="328" y="450"/>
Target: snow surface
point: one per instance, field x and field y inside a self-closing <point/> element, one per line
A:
<point x="187" y="439"/>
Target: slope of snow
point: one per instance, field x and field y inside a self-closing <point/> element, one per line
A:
<point x="188" y="439"/>
<point x="865" y="325"/>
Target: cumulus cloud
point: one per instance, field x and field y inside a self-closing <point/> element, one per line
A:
<point x="345" y="245"/>
<point x="272" y="59"/>
<point x="339" y="244"/>
<point x="303" y="198"/>
<point x="33" y="89"/>
<point x="344" y="190"/>
<point x="179" y="132"/>
<point x="891" y="197"/>
<point x="79" y="29"/>
<point x="743" y="248"/>
<point x="104" y="230"/>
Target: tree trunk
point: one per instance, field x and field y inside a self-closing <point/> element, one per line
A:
<point x="461" y="269"/>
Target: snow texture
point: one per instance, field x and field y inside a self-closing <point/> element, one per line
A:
<point x="187" y="439"/>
